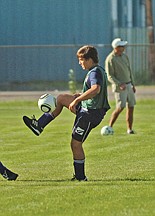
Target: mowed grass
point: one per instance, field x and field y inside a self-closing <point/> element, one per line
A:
<point x="120" y="168"/>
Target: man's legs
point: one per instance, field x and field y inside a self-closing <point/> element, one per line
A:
<point x="79" y="160"/>
<point x="120" y="99"/>
<point x="130" y="109"/>
<point x="77" y="149"/>
<point x="85" y="121"/>
<point x="129" y="118"/>
<point x="115" y="115"/>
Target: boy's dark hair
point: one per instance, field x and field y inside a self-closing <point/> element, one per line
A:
<point x="88" y="52"/>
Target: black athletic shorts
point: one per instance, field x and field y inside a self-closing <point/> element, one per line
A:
<point x="85" y="121"/>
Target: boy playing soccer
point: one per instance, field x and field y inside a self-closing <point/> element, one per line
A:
<point x="89" y="107"/>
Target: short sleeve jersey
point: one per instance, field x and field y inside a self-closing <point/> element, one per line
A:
<point x="97" y="76"/>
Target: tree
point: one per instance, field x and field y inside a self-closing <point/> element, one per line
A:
<point x="150" y="31"/>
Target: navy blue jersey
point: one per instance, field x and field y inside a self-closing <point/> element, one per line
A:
<point x="97" y="76"/>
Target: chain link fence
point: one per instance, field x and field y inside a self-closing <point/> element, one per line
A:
<point x="46" y="67"/>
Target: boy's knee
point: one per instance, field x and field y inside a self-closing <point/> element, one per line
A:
<point x="61" y="98"/>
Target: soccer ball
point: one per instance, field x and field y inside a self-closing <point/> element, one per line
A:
<point x="47" y="103"/>
<point x="107" y="130"/>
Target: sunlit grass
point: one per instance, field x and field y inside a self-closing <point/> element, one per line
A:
<point x="120" y="168"/>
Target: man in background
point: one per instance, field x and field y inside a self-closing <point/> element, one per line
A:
<point x="119" y="73"/>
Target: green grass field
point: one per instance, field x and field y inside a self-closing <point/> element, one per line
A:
<point x="120" y="168"/>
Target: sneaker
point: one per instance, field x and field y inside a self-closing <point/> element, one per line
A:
<point x="33" y="125"/>
<point x="75" y="179"/>
<point x="9" y="175"/>
<point x="130" y="131"/>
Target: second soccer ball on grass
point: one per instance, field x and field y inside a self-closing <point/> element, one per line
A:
<point x="107" y="130"/>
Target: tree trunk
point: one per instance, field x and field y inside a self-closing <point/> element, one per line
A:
<point x="150" y="30"/>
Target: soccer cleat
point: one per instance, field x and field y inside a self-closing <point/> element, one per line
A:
<point x="33" y="125"/>
<point x="9" y="175"/>
<point x="130" y="131"/>
<point x="75" y="179"/>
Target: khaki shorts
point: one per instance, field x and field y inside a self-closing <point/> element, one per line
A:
<point x="125" y="97"/>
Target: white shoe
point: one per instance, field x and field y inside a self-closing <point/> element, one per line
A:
<point x="130" y="131"/>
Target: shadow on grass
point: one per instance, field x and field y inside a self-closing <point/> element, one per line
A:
<point x="41" y="182"/>
<point x="124" y="179"/>
<point x="91" y="180"/>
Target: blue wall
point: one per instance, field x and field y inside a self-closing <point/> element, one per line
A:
<point x="57" y="22"/>
<point x="43" y="63"/>
<point x="48" y="22"/>
<point x="26" y="22"/>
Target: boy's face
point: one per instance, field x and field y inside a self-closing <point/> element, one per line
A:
<point x="86" y="64"/>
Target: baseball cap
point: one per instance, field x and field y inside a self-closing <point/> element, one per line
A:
<point x="118" y="42"/>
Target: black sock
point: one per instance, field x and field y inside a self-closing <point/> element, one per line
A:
<point x="45" y="119"/>
<point x="79" y="169"/>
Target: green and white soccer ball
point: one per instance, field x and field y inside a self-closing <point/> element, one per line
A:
<point x="47" y="103"/>
<point x="107" y="130"/>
